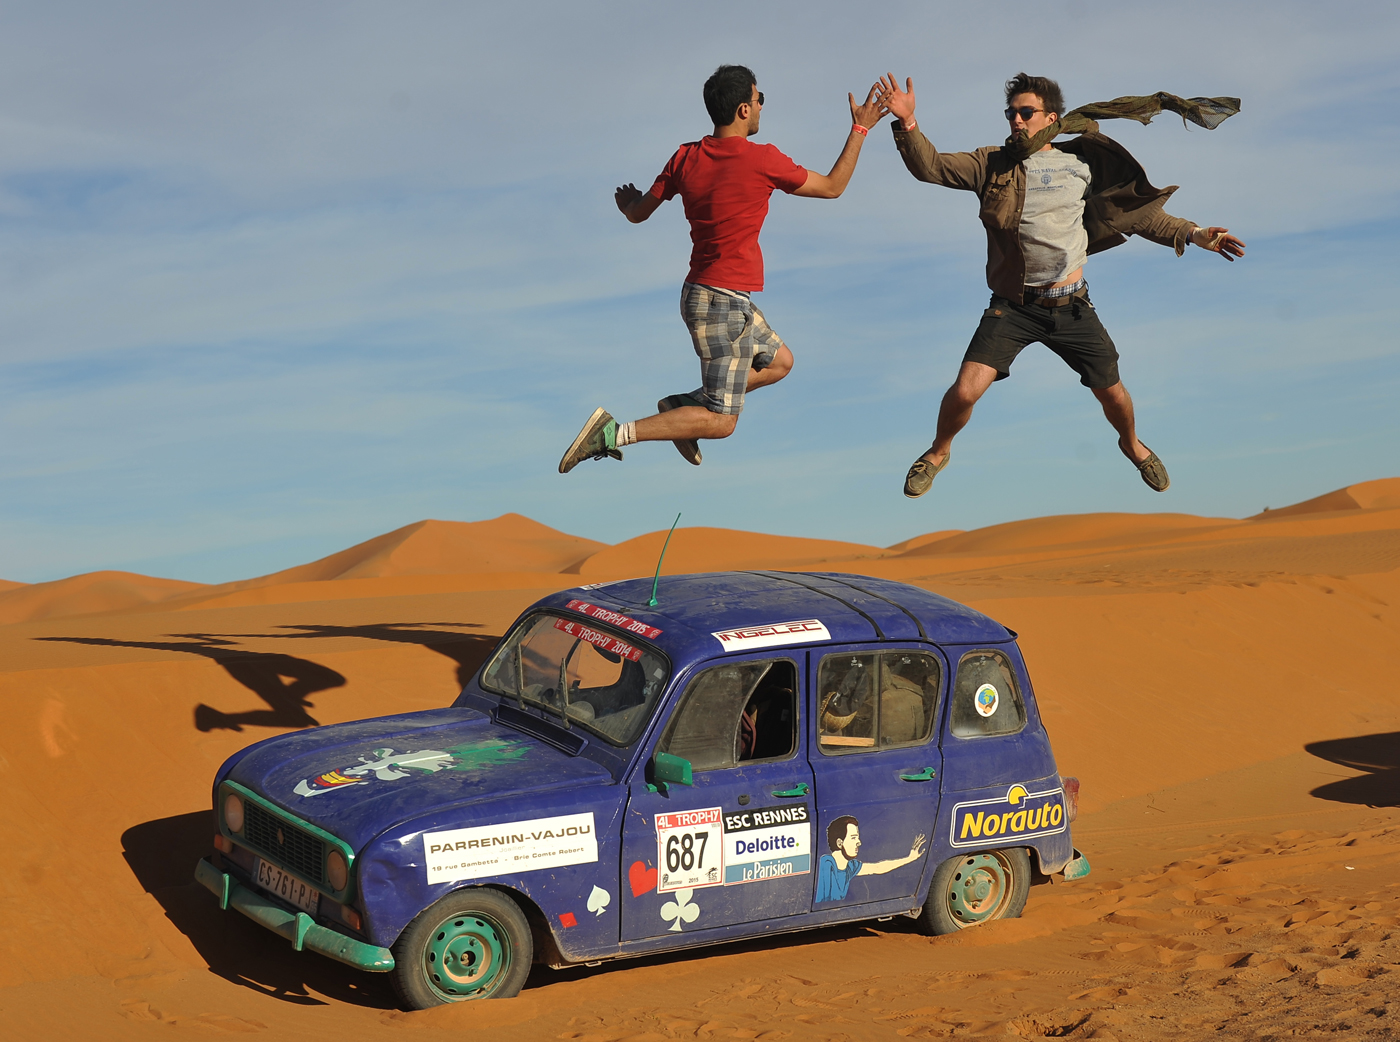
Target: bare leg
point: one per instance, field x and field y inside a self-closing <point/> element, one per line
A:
<point x="691" y="421"/>
<point x="1118" y="409"/>
<point x="956" y="410"/>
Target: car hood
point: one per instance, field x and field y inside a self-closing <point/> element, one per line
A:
<point x="357" y="779"/>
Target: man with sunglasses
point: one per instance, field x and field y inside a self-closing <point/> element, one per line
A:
<point x="1045" y="212"/>
<point x="725" y="181"/>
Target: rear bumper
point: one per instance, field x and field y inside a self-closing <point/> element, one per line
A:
<point x="298" y="927"/>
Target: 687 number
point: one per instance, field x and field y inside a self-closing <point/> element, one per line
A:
<point x="685" y="851"/>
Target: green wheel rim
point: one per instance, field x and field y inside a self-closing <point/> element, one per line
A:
<point x="979" y="889"/>
<point x="467" y="956"/>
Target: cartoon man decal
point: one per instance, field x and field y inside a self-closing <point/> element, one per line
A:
<point x="836" y="870"/>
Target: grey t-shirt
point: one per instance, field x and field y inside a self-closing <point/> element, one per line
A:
<point x="1053" y="238"/>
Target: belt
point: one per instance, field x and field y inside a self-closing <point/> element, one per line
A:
<point x="1056" y="302"/>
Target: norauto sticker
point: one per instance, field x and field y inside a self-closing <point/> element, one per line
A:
<point x="767" y="843"/>
<point x="606" y="641"/>
<point x="510" y="847"/>
<point x="748" y="637"/>
<point x="1016" y="815"/>
<point x="613" y="618"/>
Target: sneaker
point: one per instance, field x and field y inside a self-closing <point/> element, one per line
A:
<point x="920" y="477"/>
<point x="687" y="447"/>
<point x="597" y="439"/>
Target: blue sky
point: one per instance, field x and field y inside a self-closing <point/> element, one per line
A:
<point x="276" y="278"/>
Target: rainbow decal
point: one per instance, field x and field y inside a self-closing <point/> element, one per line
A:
<point x="1017" y="815"/>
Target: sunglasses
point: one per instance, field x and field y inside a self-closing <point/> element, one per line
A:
<point x="760" y="99"/>
<point x="1025" y="112"/>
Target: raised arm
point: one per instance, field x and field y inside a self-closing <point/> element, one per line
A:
<point x="879" y="868"/>
<point x="1156" y="225"/>
<point x="865" y="116"/>
<point x="965" y="170"/>
<point x="635" y="206"/>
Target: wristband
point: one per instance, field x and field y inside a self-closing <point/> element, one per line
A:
<point x="912" y="124"/>
<point x="862" y="131"/>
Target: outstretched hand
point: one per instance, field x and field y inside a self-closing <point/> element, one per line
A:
<point x="899" y="102"/>
<point x="917" y="848"/>
<point x="626" y="196"/>
<point x="1219" y="240"/>
<point x="872" y="111"/>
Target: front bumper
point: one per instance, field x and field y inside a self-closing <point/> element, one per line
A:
<point x="298" y="927"/>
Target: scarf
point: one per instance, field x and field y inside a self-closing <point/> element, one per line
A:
<point x="1204" y="112"/>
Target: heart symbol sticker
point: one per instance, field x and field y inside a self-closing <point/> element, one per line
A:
<point x="641" y="878"/>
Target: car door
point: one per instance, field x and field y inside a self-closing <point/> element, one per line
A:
<point x="735" y="846"/>
<point x="875" y="758"/>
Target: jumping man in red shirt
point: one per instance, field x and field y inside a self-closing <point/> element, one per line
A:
<point x="725" y="181"/>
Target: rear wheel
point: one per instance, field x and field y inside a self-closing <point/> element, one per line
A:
<point x="976" y="888"/>
<point x="473" y="944"/>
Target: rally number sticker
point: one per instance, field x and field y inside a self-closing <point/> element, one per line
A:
<point x="690" y="849"/>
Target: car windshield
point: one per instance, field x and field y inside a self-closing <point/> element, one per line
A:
<point x="582" y="673"/>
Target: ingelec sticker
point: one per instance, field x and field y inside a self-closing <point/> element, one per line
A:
<point x="799" y="632"/>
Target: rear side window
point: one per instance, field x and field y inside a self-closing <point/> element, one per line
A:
<point x="876" y="700"/>
<point x="986" y="699"/>
<point x="735" y="714"/>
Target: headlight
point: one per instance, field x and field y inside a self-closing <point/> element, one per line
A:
<point x="337" y="872"/>
<point x="233" y="812"/>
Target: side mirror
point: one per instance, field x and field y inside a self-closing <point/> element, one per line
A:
<point x="670" y="770"/>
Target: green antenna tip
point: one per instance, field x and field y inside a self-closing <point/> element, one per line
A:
<point x="657" y="577"/>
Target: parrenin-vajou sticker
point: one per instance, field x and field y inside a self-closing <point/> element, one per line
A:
<point x="746" y="638"/>
<point x="1016" y="815"/>
<point x="510" y="847"/>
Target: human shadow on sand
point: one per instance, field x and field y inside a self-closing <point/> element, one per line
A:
<point x="162" y="854"/>
<point x="468" y="650"/>
<point x="284" y="682"/>
<point x="1376" y="754"/>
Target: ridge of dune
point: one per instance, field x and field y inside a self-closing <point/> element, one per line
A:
<point x="509" y="543"/>
<point x="1381" y="494"/>
<point x="719" y="549"/>
<point x="1070" y="531"/>
<point x="6" y="584"/>
<point x="85" y="594"/>
<point x="924" y="540"/>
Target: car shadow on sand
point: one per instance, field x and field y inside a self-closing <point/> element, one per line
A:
<point x="1376" y="754"/>
<point x="162" y="854"/>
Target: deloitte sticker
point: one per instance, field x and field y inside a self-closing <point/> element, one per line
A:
<point x="986" y="700"/>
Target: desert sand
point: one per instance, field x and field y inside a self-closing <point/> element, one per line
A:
<point x="1227" y="690"/>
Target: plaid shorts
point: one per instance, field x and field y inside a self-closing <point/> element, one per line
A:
<point x="731" y="337"/>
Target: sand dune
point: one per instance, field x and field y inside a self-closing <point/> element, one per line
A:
<point x="1226" y="689"/>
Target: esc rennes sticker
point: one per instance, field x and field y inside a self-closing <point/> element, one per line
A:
<point x="1019" y="813"/>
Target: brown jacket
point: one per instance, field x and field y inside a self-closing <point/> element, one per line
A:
<point x="1121" y="201"/>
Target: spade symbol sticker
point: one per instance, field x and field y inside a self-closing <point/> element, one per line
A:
<point x="598" y="900"/>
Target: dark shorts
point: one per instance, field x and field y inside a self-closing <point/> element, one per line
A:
<point x="1073" y="332"/>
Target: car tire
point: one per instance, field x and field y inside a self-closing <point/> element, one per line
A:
<point x="972" y="889"/>
<point x="473" y="944"/>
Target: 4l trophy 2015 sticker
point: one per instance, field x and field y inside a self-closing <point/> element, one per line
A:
<point x="689" y="849"/>
<point x="1018" y="814"/>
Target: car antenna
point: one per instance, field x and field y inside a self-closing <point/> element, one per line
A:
<point x="657" y="578"/>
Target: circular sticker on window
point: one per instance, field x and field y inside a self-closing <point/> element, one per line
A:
<point x="986" y="700"/>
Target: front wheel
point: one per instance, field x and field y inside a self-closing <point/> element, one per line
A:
<point x="976" y="888"/>
<point x="473" y="944"/>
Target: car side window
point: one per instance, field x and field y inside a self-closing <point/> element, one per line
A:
<point x="986" y="699"/>
<point x="735" y="714"/>
<point x="876" y="700"/>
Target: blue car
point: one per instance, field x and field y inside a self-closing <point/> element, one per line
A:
<point x="645" y="767"/>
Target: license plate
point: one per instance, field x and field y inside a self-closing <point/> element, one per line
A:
<point x="288" y="887"/>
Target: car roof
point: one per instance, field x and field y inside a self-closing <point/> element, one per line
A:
<point x="690" y="609"/>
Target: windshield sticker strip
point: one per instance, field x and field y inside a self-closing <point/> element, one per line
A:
<point x="801" y="631"/>
<point x="1017" y="814"/>
<point x="613" y="618"/>
<point x="603" y="640"/>
<point x="510" y="847"/>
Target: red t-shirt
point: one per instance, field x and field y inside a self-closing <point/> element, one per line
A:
<point x="725" y="184"/>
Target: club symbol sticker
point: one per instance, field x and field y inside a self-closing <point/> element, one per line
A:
<point x="598" y="900"/>
<point x="680" y="910"/>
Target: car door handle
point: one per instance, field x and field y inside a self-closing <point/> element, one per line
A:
<point x="925" y="775"/>
<point x="800" y="789"/>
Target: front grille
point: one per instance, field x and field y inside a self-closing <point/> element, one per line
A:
<point x="291" y="847"/>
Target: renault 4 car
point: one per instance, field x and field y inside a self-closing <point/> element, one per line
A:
<point x="641" y="767"/>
